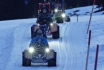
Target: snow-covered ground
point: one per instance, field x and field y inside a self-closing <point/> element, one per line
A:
<point x="84" y="11"/>
<point x="71" y="48"/>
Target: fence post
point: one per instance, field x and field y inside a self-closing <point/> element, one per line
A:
<point x="88" y="50"/>
<point x="96" y="57"/>
<point x="89" y="39"/>
<point x="91" y="16"/>
<point x="77" y="17"/>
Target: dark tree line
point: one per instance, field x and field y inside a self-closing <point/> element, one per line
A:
<point x="100" y="3"/>
<point x="18" y="9"/>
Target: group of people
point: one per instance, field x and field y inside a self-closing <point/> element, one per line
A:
<point x="44" y="17"/>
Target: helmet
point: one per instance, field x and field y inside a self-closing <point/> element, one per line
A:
<point x="44" y="8"/>
<point x="39" y="32"/>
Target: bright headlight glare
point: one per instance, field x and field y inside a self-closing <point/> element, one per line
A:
<point x="51" y="24"/>
<point x="47" y="50"/>
<point x="31" y="49"/>
<point x="63" y="15"/>
<point x="56" y="10"/>
<point x="38" y="24"/>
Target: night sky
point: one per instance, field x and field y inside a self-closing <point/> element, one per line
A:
<point x="18" y="9"/>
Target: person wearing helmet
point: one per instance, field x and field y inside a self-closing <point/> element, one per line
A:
<point x="39" y="38"/>
<point x="44" y="17"/>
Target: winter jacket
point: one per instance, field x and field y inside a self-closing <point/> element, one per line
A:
<point x="39" y="39"/>
<point x="44" y="18"/>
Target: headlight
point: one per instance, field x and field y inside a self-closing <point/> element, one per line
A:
<point x="56" y="10"/>
<point x="38" y="24"/>
<point x="47" y="50"/>
<point x="63" y="15"/>
<point x="51" y="24"/>
<point x="31" y="49"/>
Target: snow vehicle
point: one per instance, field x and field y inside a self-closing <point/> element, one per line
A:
<point x="60" y="15"/>
<point x="44" y="4"/>
<point x="52" y="32"/>
<point x="39" y="54"/>
<point x="49" y="7"/>
<point x="53" y="28"/>
<point x="57" y="13"/>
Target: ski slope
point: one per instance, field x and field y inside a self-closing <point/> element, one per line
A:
<point x="71" y="48"/>
<point x="63" y="47"/>
<point x="84" y="11"/>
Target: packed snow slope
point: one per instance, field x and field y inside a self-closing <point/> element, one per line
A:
<point x="84" y="11"/>
<point x="71" y="48"/>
